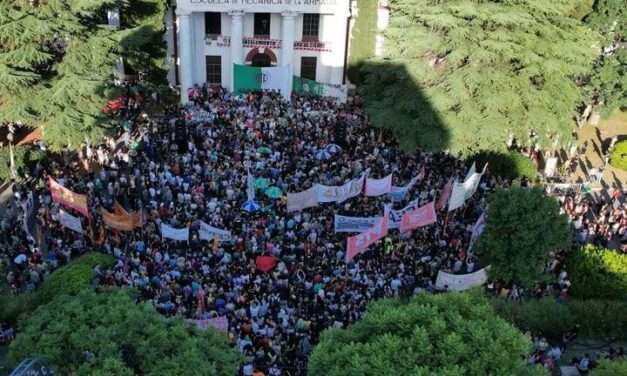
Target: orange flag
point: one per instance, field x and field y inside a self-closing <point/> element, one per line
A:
<point x="68" y="198"/>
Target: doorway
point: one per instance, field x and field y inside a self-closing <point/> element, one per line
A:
<point x="261" y="60"/>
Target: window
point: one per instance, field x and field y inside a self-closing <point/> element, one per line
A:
<point x="311" y="25"/>
<point x="214" y="69"/>
<point x="262" y="25"/>
<point x="213" y="24"/>
<point x="308" y="67"/>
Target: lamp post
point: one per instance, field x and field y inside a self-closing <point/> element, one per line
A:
<point x="10" y="138"/>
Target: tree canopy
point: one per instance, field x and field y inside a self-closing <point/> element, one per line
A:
<point x="108" y="334"/>
<point x="448" y="334"/>
<point x="522" y="227"/>
<point x="486" y="68"/>
<point x="57" y="59"/>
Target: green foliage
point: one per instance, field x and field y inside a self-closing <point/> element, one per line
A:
<point x="597" y="273"/>
<point x="55" y="63"/>
<point x="596" y="318"/>
<point x="485" y="68"/>
<point x="619" y="155"/>
<point x="447" y="334"/>
<point x="125" y="339"/>
<point x="74" y="277"/>
<point x="67" y="280"/>
<point x="143" y="46"/>
<point x="25" y="158"/>
<point x="608" y="82"/>
<point x="362" y="44"/>
<point x="611" y="368"/>
<point x="523" y="226"/>
<point x="510" y="165"/>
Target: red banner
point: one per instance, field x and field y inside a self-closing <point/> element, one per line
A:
<point x="68" y="198"/>
<point x="359" y="243"/>
<point x="423" y="216"/>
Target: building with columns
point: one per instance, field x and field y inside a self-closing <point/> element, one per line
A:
<point x="207" y="36"/>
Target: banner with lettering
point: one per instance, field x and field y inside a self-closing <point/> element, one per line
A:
<point x="305" y="86"/>
<point x="331" y="193"/>
<point x="207" y="232"/>
<point x="378" y="187"/>
<point x="396" y="216"/>
<point x="248" y="78"/>
<point x="302" y="200"/>
<point x="70" y="221"/>
<point x="359" y="243"/>
<point x="460" y="282"/>
<point x="354" y="224"/>
<point x="68" y="198"/>
<point x="169" y="232"/>
<point x="423" y="216"/>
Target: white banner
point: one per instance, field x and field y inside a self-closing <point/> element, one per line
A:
<point x="170" y="232"/>
<point x="207" y="232"/>
<point x="70" y="221"/>
<point x="397" y="215"/>
<point x="354" y="224"/>
<point x="463" y="191"/>
<point x="477" y="230"/>
<point x="332" y="193"/>
<point x="551" y="167"/>
<point x="378" y="187"/>
<point x="302" y="200"/>
<point x="460" y="282"/>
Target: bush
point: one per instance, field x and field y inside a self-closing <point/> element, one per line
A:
<point x="597" y="272"/>
<point x="611" y="368"/>
<point x="74" y="277"/>
<point x="619" y="156"/>
<point x="506" y="165"/>
<point x="67" y="280"/>
<point x="596" y="318"/>
<point x="25" y="158"/>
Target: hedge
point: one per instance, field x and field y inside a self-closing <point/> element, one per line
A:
<point x="596" y="318"/>
<point x="619" y="156"/>
<point x="597" y="272"/>
<point x="67" y="280"/>
<point x="25" y="158"/>
<point x="509" y="165"/>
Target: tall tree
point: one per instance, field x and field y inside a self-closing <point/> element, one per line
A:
<point x="56" y="60"/>
<point x="523" y="226"/>
<point x="486" y="68"/>
<point x="448" y="334"/>
<point x="607" y="86"/>
<point x="108" y="334"/>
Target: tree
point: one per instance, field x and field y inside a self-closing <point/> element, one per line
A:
<point x="108" y="334"/>
<point x="486" y="68"/>
<point x="448" y="334"/>
<point x="523" y="226"/>
<point x="611" y="368"/>
<point x="608" y="81"/>
<point x="57" y="59"/>
<point x="597" y="273"/>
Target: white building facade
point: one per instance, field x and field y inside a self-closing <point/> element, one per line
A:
<point x="206" y="37"/>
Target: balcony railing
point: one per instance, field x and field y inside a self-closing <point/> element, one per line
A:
<point x="248" y="42"/>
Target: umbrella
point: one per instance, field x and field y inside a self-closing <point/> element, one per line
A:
<point x="250" y="206"/>
<point x="273" y="192"/>
<point x="265" y="263"/>
<point x="20" y="258"/>
<point x="262" y="183"/>
<point x="322" y="154"/>
<point x="333" y="148"/>
<point x="264" y="150"/>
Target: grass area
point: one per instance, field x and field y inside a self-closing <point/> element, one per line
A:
<point x="362" y="45"/>
<point x="619" y="156"/>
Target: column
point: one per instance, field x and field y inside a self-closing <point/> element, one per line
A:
<point x="185" y="54"/>
<point x="237" y="48"/>
<point x="288" y="31"/>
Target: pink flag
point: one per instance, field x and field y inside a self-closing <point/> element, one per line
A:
<point x="423" y="216"/>
<point x="359" y="243"/>
<point x="378" y="187"/>
<point x="444" y="195"/>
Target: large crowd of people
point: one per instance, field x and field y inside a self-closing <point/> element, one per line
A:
<point x="193" y="165"/>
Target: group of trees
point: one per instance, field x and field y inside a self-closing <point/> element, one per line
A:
<point x="492" y="69"/>
<point x="57" y="59"/>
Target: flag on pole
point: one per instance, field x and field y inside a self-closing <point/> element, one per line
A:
<point x="250" y="187"/>
<point x="444" y="195"/>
